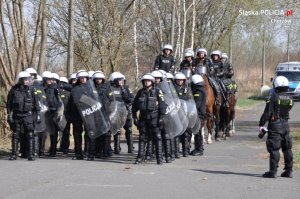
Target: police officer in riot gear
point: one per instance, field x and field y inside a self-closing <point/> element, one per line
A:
<point x="166" y="60"/>
<point x="228" y="74"/>
<point x="276" y="113"/>
<point x="187" y="66"/>
<point x="21" y="106"/>
<point x="202" y="60"/>
<point x="183" y="92"/>
<point x="102" y="148"/>
<point x="128" y="124"/>
<point x="32" y="72"/>
<point x="118" y="93"/>
<point x="219" y="73"/>
<point x="64" y="92"/>
<point x="149" y="101"/>
<point x="82" y="78"/>
<point x="51" y="90"/>
<point x="200" y="100"/>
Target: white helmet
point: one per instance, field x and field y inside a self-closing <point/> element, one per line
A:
<point x="91" y="73"/>
<point x="168" y="46"/>
<point x="224" y="56"/>
<point x="116" y="75"/>
<point x="55" y="76"/>
<point x="72" y="76"/>
<point x="197" y="79"/>
<point x="216" y="52"/>
<point x="47" y="74"/>
<point x="39" y="78"/>
<point x="170" y="76"/>
<point x="188" y="54"/>
<point x="157" y="74"/>
<point x="281" y="81"/>
<point x="82" y="73"/>
<point x="201" y="50"/>
<point x="31" y="70"/>
<point x="180" y="76"/>
<point x="63" y="79"/>
<point x="22" y="74"/>
<point x="265" y="90"/>
<point x="148" y="76"/>
<point x="98" y="75"/>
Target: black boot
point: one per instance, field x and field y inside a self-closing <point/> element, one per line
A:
<point x="117" y="147"/>
<point x="141" y="151"/>
<point x="107" y="148"/>
<point x="287" y="174"/>
<point x="198" y="151"/>
<point x="149" y="149"/>
<point x="129" y="140"/>
<point x="14" y="148"/>
<point x="185" y="145"/>
<point x="158" y="148"/>
<point x="172" y="148"/>
<point x="78" y="146"/>
<point x="53" y="145"/>
<point x="176" y="144"/>
<point x="272" y="173"/>
<point x="30" y="154"/>
<point x="91" y="152"/>
<point x="167" y="150"/>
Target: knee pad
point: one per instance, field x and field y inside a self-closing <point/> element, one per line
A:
<point x="273" y="145"/>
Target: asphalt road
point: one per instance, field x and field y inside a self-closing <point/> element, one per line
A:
<point x="229" y="169"/>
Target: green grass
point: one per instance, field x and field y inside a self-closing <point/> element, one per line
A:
<point x="248" y="102"/>
<point x="296" y="147"/>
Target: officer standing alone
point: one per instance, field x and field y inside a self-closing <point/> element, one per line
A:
<point x="276" y="113"/>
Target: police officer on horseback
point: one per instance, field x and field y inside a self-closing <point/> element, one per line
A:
<point x="276" y="113"/>
<point x="166" y="60"/>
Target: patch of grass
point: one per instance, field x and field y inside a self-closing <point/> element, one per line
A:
<point x="295" y="133"/>
<point x="243" y="103"/>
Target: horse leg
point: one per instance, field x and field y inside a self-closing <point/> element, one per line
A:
<point x="209" y="130"/>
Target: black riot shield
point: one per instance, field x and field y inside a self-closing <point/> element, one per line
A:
<point x="172" y="119"/>
<point x="117" y="115"/>
<point x="59" y="117"/>
<point x="92" y="112"/>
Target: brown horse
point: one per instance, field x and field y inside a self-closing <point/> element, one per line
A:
<point x="227" y="116"/>
<point x="212" y="110"/>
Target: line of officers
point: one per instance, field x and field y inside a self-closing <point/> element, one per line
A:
<point x="32" y="93"/>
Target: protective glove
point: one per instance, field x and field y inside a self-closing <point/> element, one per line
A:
<point x="38" y="118"/>
<point x="262" y="132"/>
<point x="161" y="122"/>
<point x="10" y="119"/>
<point x="135" y="121"/>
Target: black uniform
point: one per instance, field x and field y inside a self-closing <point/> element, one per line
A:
<point x="200" y="100"/>
<point x="40" y="137"/>
<point x="53" y="102"/>
<point x="21" y="106"/>
<point x="64" y="92"/>
<point x="120" y="94"/>
<point x="77" y="124"/>
<point x="276" y="113"/>
<point x="151" y="105"/>
<point x="218" y="73"/>
<point x="164" y="63"/>
<point x="183" y="93"/>
<point x="227" y="77"/>
<point x="128" y="124"/>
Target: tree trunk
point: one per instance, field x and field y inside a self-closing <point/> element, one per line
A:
<point x="70" y="60"/>
<point x="193" y="24"/>
<point x="42" y="57"/>
<point x="135" y="50"/>
<point x="36" y="36"/>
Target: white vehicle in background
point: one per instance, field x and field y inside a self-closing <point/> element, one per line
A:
<point x="290" y="70"/>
